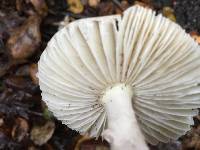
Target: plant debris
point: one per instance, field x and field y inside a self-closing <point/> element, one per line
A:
<point x="26" y="39"/>
<point x="169" y="13"/>
<point x="75" y="6"/>
<point x="33" y="69"/>
<point x="40" y="7"/>
<point x="20" y="129"/>
<point x="41" y="134"/>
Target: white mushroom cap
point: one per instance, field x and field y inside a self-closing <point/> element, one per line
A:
<point x="141" y="49"/>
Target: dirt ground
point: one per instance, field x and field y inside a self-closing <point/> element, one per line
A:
<point x="26" y="26"/>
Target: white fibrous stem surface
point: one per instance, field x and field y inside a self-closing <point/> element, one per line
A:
<point x="123" y="131"/>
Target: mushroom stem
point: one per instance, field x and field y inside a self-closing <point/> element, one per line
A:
<point x="123" y="131"/>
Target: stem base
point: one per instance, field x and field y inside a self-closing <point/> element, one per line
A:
<point x="123" y="131"/>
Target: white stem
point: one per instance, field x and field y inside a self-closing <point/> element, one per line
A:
<point x="123" y="132"/>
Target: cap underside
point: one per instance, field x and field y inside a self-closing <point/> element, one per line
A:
<point x="142" y="49"/>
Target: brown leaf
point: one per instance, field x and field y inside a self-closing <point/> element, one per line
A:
<point x="1" y="122"/>
<point x="19" y="5"/>
<point x="16" y="82"/>
<point x="196" y="38"/>
<point x="87" y="143"/>
<point x="40" y="6"/>
<point x="169" y="13"/>
<point x="75" y="6"/>
<point x="33" y="69"/>
<point x="8" y="22"/>
<point x="106" y="8"/>
<point x="20" y="129"/>
<point x="26" y="39"/>
<point x="41" y="134"/>
<point x="93" y="3"/>
<point x="24" y="6"/>
<point x="32" y="148"/>
<point x="80" y="141"/>
<point x="146" y="1"/>
<point x="5" y="64"/>
<point x="23" y="70"/>
<point x="124" y="5"/>
<point x="142" y="4"/>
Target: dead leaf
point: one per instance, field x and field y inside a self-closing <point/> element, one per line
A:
<point x="124" y="5"/>
<point x="93" y="3"/>
<point x="75" y="6"/>
<point x="33" y="69"/>
<point x="1" y="122"/>
<point x="196" y="37"/>
<point x="80" y="141"/>
<point x="169" y="13"/>
<point x="19" y="5"/>
<point x="40" y="6"/>
<point x="8" y="22"/>
<point x="88" y="143"/>
<point x="5" y="64"/>
<point x="106" y="8"/>
<point x="41" y="134"/>
<point x="26" y="39"/>
<point x="23" y="70"/>
<point x="146" y="1"/>
<point x="32" y="148"/>
<point x="142" y="4"/>
<point x="20" y="129"/>
<point x="16" y="82"/>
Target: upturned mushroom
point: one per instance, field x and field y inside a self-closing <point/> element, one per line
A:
<point x="130" y="78"/>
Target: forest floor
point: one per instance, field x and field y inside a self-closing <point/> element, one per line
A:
<point x="25" y="28"/>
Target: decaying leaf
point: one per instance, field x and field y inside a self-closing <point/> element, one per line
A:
<point x="17" y="82"/>
<point x="192" y="139"/>
<point x="19" y="5"/>
<point x="124" y="5"/>
<point x="1" y="121"/>
<point x="143" y="4"/>
<point x="41" y="134"/>
<point x="26" y="39"/>
<point x="169" y="13"/>
<point x="20" y="129"/>
<point x="40" y="6"/>
<point x="5" y="64"/>
<point x="23" y="70"/>
<point x="75" y="6"/>
<point x="106" y="8"/>
<point x="33" y="69"/>
<point x="80" y="141"/>
<point x="93" y="3"/>
<point x="6" y="143"/>
<point x="195" y="36"/>
<point x="87" y="143"/>
<point x="146" y="1"/>
<point x="8" y="22"/>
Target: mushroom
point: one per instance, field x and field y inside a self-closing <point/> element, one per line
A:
<point x="130" y="78"/>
